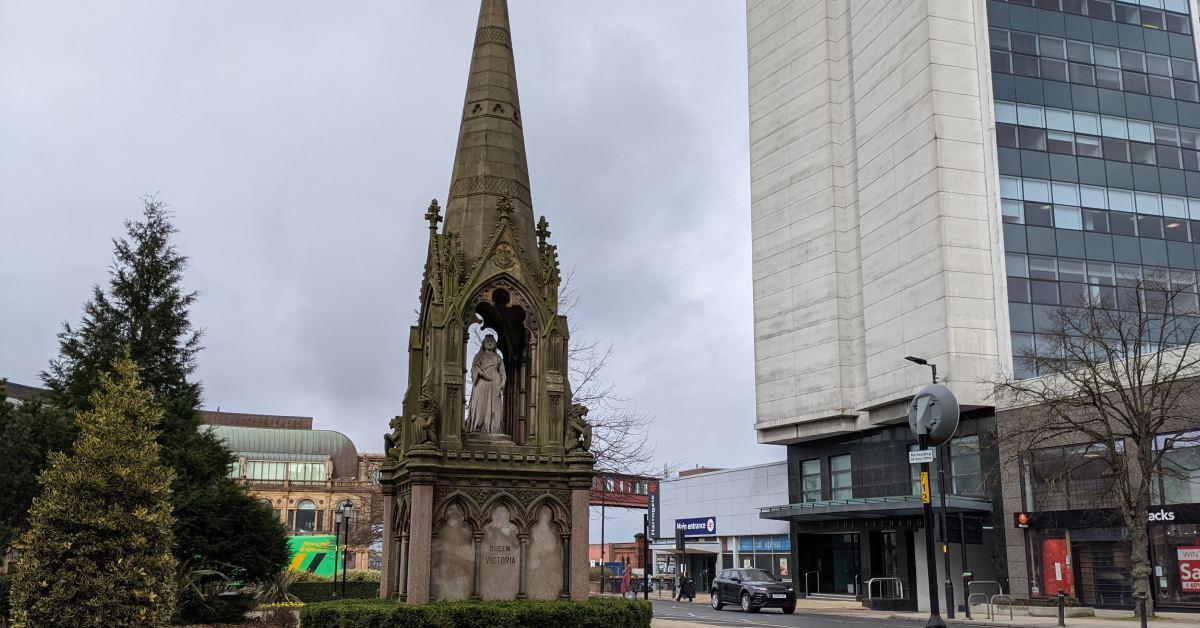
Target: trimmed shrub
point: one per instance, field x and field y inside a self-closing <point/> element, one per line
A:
<point x="5" y="585"/>
<point x="325" y="590"/>
<point x="594" y="613"/>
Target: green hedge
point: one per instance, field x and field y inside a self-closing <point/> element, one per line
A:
<point x="324" y="591"/>
<point x="5" y="585"/>
<point x="594" y="613"/>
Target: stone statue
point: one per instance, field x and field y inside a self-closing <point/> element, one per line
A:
<point x="579" y="431"/>
<point x="488" y="379"/>
<point x="425" y="421"/>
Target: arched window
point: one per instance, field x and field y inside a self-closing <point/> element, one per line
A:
<point x="305" y="518"/>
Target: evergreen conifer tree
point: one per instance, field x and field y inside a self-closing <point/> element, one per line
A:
<point x="98" y="551"/>
<point x="29" y="433"/>
<point x="145" y="311"/>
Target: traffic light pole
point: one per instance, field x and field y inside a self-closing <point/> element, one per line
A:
<point x="935" y="616"/>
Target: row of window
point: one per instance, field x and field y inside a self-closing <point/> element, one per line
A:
<point x="1093" y="272"/>
<point x="1100" y="221"/>
<point x="1118" y="127"/>
<point x="1061" y="49"/>
<point x="1113" y="149"/>
<point x="1150" y="14"/>
<point x="274" y="471"/>
<point x="965" y="471"/>
<point x="1096" y="197"/>
<point x="620" y="485"/>
<point x="305" y="518"/>
<point x="1096" y="76"/>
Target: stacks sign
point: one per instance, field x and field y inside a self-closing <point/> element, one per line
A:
<point x="934" y="413"/>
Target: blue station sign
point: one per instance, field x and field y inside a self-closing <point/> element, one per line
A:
<point x="698" y="526"/>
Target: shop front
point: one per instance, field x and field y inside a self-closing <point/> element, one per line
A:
<point x="1087" y="554"/>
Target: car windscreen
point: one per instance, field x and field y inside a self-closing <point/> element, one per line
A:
<point x="757" y="575"/>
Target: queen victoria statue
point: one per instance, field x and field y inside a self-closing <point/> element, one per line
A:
<point x="486" y="413"/>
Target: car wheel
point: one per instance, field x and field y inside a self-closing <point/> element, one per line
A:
<point x="716" y="601"/>
<point x="746" y="605"/>
<point x="788" y="610"/>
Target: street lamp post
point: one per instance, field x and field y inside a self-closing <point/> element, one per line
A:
<point x="941" y="473"/>
<point x="339" y="516"/>
<point x="348" y="510"/>
<point x="933" y="417"/>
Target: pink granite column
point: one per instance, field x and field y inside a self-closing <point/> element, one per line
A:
<point x="387" y="578"/>
<point x="420" y="543"/>
<point x="579" y="544"/>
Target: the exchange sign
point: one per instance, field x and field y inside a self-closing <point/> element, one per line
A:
<point x="698" y="526"/>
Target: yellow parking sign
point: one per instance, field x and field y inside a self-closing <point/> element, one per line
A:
<point x="925" y="498"/>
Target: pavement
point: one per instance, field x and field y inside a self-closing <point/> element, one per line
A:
<point x="844" y="614"/>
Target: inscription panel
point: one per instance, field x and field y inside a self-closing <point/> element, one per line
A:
<point x="500" y="569"/>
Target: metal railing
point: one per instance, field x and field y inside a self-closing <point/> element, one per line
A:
<point x="992" y="604"/>
<point x="899" y="588"/>
<point x="989" y="600"/>
<point x="806" y="575"/>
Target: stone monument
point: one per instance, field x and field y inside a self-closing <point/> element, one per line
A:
<point x="486" y="494"/>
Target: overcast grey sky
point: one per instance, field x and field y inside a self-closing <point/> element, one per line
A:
<point x="299" y="143"/>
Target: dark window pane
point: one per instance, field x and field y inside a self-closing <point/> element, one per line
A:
<point x="1153" y="19"/>
<point x="1158" y="64"/>
<point x="1079" y="51"/>
<point x="1102" y="9"/>
<point x="1072" y="270"/>
<point x="1133" y="60"/>
<point x="1134" y="82"/>
<point x="1115" y="149"/>
<point x="1074" y="293"/>
<point x="1108" y="77"/>
<point x="1025" y="43"/>
<point x="1195" y="230"/>
<point x="1078" y="7"/>
<point x="1175" y="229"/>
<point x="1106" y="56"/>
<point x="1052" y="47"/>
<point x="1140" y="153"/>
<point x="1191" y="160"/>
<point x="1032" y="139"/>
<point x="1087" y="146"/>
<point x="1050" y="5"/>
<point x="1018" y="290"/>
<point x="1186" y="90"/>
<point x="1080" y="73"/>
<point x="1042" y="267"/>
<point x="1001" y="62"/>
<point x="998" y="38"/>
<point x="1150" y="226"/>
<point x="1061" y="143"/>
<point x="1006" y="135"/>
<point x="1054" y="69"/>
<point x="1173" y="136"/>
<point x="1160" y="86"/>
<point x="1024" y="65"/>
<point x="1169" y="156"/>
<point x="1183" y="69"/>
<point x="1044" y="292"/>
<point x="1122" y="223"/>
<point x="1039" y="214"/>
<point x="1127" y="14"/>
<point x="1178" y="23"/>
<point x="1095" y="220"/>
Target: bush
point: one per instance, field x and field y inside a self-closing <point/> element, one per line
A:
<point x="361" y="575"/>
<point x="5" y="585"/>
<point x="325" y="590"/>
<point x="594" y="613"/>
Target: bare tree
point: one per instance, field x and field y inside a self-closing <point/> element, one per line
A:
<point x="620" y="431"/>
<point x="1115" y="377"/>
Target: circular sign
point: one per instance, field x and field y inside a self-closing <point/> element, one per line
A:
<point x="934" y="412"/>
<point x="711" y="525"/>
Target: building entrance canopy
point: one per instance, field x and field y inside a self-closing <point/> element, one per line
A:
<point x="869" y="508"/>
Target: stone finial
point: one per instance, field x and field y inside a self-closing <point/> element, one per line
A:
<point x="543" y="231"/>
<point x="433" y="215"/>
<point x="505" y="207"/>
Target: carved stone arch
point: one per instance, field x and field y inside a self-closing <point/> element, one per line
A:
<point x="518" y="296"/>
<point x="560" y="514"/>
<point x="516" y="512"/>
<point x="471" y="512"/>
<point x="401" y="516"/>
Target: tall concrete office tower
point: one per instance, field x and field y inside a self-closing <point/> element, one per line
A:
<point x="930" y="178"/>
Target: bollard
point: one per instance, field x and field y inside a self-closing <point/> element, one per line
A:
<point x="1062" y="608"/>
<point x="1142" y="606"/>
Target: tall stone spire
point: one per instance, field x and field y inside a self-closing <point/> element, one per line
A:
<point x="490" y="160"/>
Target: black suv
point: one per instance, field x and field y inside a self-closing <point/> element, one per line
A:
<point x="753" y="590"/>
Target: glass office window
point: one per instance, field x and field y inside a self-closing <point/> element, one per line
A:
<point x="810" y="480"/>
<point x="841" y="481"/>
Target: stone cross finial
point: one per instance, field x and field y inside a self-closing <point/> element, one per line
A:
<point x="543" y="231"/>
<point x="433" y="215"/>
<point x="504" y="206"/>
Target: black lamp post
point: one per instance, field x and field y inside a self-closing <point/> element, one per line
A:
<point x="347" y="510"/>
<point x="339" y="515"/>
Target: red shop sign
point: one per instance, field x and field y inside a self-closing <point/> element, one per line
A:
<point x="1189" y="567"/>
